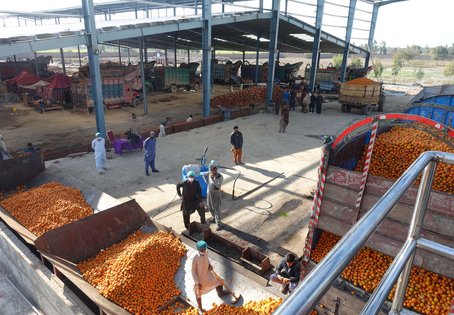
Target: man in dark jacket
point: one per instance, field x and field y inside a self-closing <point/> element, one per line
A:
<point x="236" y="140"/>
<point x="191" y="199"/>
<point x="287" y="273"/>
<point x="312" y="103"/>
<point x="318" y="103"/>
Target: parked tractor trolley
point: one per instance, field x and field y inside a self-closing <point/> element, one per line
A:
<point x="363" y="94"/>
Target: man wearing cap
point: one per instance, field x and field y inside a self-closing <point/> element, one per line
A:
<point x="150" y="153"/>
<point x="191" y="199"/>
<point x="98" y="145"/>
<point x="214" y="182"/>
<point x="205" y="278"/>
<point x="236" y="140"/>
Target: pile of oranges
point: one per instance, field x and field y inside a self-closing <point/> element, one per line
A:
<point x="137" y="273"/>
<point x="395" y="150"/>
<point x="427" y="292"/>
<point x="263" y="307"/>
<point x="47" y="207"/>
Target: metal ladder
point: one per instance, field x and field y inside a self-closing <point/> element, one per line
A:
<point x="319" y="280"/>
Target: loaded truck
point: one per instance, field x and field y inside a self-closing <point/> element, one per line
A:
<point x="357" y="169"/>
<point x="173" y="78"/>
<point x="363" y="94"/>
<point x="226" y="73"/>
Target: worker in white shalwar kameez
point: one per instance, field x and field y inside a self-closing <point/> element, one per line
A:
<point x="99" y="146"/>
<point x="205" y="278"/>
<point x="214" y="198"/>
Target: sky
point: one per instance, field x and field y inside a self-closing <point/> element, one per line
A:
<point x="411" y="22"/>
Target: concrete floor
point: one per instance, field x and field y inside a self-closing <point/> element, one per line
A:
<point x="274" y="217"/>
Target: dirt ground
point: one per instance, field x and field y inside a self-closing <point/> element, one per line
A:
<point x="61" y="128"/>
<point x="20" y="124"/>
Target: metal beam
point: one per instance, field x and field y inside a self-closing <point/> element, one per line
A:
<point x="142" y="76"/>
<point x="38" y="14"/>
<point x="257" y="58"/>
<point x="36" y="65"/>
<point x="316" y="45"/>
<point x="93" y="58"/>
<point x="62" y="56"/>
<point x="348" y="35"/>
<point x="373" y="23"/>
<point x="274" y="31"/>
<point x="206" y="62"/>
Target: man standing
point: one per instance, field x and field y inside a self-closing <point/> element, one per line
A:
<point x="312" y="103"/>
<point x="283" y="122"/>
<point x="162" y="127"/>
<point x="99" y="146"/>
<point x="214" y="199"/>
<point x="205" y="278"/>
<point x="4" y="155"/>
<point x="150" y="153"/>
<point x="287" y="273"/>
<point x="191" y="199"/>
<point x="236" y="139"/>
<point x="318" y="103"/>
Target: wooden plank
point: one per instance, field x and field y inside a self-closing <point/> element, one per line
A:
<point x="391" y="247"/>
<point x="439" y="202"/>
<point x="433" y="221"/>
<point x="337" y="197"/>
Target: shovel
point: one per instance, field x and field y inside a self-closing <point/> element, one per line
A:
<point x="236" y="297"/>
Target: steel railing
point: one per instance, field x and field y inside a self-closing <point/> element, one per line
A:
<point x="319" y="280"/>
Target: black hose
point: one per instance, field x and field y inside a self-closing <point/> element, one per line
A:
<point x="250" y="191"/>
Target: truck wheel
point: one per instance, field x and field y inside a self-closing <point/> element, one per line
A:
<point x="196" y="86"/>
<point x="367" y="109"/>
<point x="188" y="87"/>
<point x="136" y="102"/>
<point x="173" y="88"/>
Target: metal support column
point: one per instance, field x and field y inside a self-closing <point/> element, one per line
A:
<point x="286" y="7"/>
<point x="93" y="58"/>
<point x="147" y="8"/>
<point x="316" y="45"/>
<point x="36" y="65"/>
<point x="78" y="54"/>
<point x="348" y="35"/>
<point x="223" y="6"/>
<point x="165" y="55"/>
<point x="189" y="55"/>
<point x="206" y="63"/>
<point x="119" y="52"/>
<point x="129" y="56"/>
<point x="15" y="64"/>
<point x="244" y="56"/>
<point x="142" y="76"/>
<point x="257" y="52"/>
<point x="260" y="6"/>
<point x="274" y="31"/>
<point x="196" y="4"/>
<point x="175" y="51"/>
<point x="145" y="52"/>
<point x="373" y="23"/>
<point x="62" y="56"/>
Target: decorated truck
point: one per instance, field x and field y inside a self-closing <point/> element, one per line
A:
<point x="357" y="168"/>
<point x="172" y="78"/>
